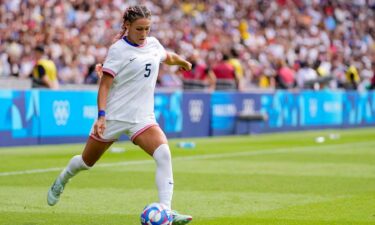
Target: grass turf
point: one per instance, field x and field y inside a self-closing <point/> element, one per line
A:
<point x="272" y="179"/>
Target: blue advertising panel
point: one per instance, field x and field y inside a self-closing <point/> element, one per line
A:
<point x="196" y="114"/>
<point x="349" y="109"/>
<point x="371" y="102"/>
<point x="322" y="108"/>
<point x="6" y="99"/>
<point x="359" y="109"/>
<point x="282" y="110"/>
<point x="67" y="113"/>
<point x="26" y="114"/>
<point x="248" y="104"/>
<point x="365" y="110"/>
<point x="223" y="112"/>
<point x="168" y="112"/>
<point x="45" y="116"/>
<point x="19" y="117"/>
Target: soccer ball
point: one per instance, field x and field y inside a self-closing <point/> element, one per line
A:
<point x="156" y="214"/>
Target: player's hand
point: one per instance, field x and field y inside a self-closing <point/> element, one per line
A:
<point x="186" y="66"/>
<point x="99" y="127"/>
<point x="99" y="69"/>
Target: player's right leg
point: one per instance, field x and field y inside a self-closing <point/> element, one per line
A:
<point x="153" y="141"/>
<point x="180" y="219"/>
<point x="94" y="149"/>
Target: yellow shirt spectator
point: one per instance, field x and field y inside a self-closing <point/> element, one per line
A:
<point x="49" y="67"/>
<point x="352" y="77"/>
<point x="352" y="74"/>
<point x="44" y="73"/>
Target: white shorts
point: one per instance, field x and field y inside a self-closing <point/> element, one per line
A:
<point x="114" y="129"/>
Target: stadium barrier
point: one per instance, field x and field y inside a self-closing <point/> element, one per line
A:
<point x="245" y="120"/>
<point x="30" y="117"/>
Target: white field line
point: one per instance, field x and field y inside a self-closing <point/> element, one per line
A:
<point x="197" y="157"/>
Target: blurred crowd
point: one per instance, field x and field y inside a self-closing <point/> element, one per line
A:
<point x="284" y="44"/>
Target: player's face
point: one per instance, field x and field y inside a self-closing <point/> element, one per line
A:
<point x="138" y="30"/>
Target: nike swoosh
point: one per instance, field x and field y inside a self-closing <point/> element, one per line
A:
<point x="131" y="60"/>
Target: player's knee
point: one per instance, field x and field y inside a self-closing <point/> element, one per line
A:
<point x="162" y="154"/>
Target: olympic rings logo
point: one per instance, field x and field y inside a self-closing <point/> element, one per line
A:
<point x="61" y="112"/>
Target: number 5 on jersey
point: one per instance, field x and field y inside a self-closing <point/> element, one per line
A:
<point x="148" y="70"/>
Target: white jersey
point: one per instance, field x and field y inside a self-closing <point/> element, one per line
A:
<point x="135" y="70"/>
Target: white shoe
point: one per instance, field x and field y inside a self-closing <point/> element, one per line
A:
<point x="179" y="219"/>
<point x="54" y="192"/>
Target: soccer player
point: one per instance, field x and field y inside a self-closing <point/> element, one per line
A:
<point x="126" y="105"/>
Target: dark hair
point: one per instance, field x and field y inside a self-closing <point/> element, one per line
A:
<point x="131" y="14"/>
<point x="234" y="53"/>
<point x="39" y="48"/>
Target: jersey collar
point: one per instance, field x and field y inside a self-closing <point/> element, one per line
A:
<point x="133" y="44"/>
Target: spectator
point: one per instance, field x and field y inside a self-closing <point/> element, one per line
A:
<point x="324" y="78"/>
<point x="72" y="73"/>
<point x="92" y="77"/>
<point x="372" y="85"/>
<point x="44" y="73"/>
<point x="200" y="77"/>
<point x="307" y="77"/>
<point x="284" y="76"/>
<point x="238" y="69"/>
<point x="225" y="73"/>
<point x="352" y="77"/>
<point x="262" y="31"/>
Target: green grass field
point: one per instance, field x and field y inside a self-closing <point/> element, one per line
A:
<point x="272" y="179"/>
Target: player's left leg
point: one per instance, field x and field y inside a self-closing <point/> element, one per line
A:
<point x="92" y="152"/>
<point x="154" y="142"/>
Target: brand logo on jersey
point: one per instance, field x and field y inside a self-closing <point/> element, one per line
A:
<point x="61" y="112"/>
<point x="131" y="60"/>
<point x="195" y="110"/>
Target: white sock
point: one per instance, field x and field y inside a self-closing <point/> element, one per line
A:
<point x="164" y="175"/>
<point x="75" y="165"/>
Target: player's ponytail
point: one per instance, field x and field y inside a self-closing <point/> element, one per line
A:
<point x="131" y="14"/>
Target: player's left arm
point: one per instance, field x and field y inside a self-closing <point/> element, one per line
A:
<point x="174" y="59"/>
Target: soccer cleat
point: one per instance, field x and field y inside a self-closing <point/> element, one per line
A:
<point x="54" y="192"/>
<point x="179" y="219"/>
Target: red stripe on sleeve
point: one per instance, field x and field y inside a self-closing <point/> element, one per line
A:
<point x="109" y="71"/>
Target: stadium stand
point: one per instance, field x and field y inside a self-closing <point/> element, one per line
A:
<point x="337" y="34"/>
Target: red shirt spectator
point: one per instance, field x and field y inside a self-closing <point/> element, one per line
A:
<point x="198" y="72"/>
<point x="224" y="70"/>
<point x="287" y="75"/>
<point x="225" y="75"/>
<point x="199" y="77"/>
<point x="372" y="86"/>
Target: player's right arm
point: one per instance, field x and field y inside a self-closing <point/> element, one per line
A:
<point x="107" y="72"/>
<point x="104" y="87"/>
